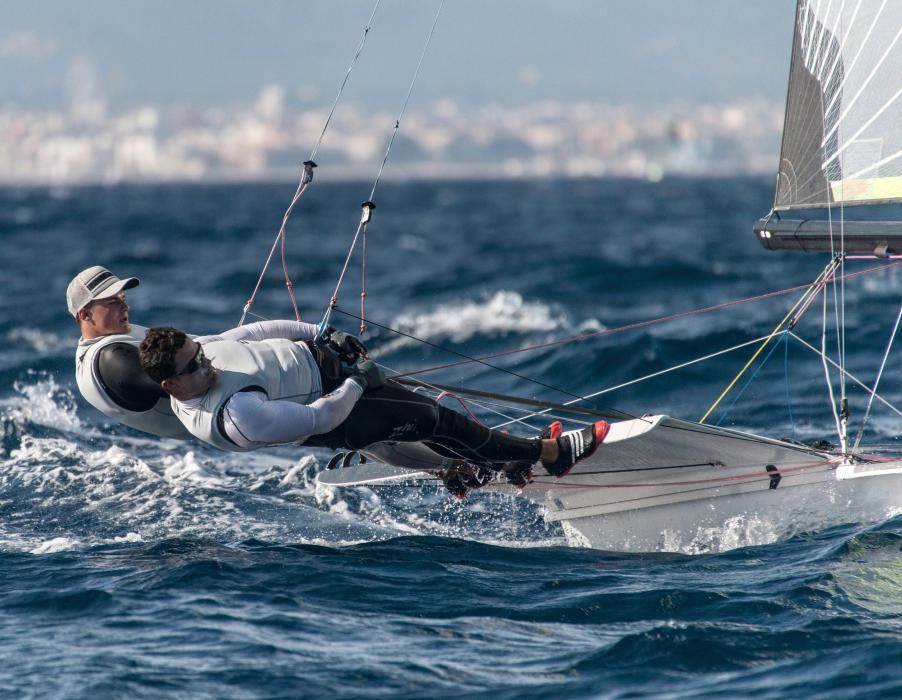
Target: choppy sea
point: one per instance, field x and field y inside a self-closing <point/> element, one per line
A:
<point x="135" y="567"/>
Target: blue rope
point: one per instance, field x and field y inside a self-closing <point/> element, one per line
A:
<point x="749" y="381"/>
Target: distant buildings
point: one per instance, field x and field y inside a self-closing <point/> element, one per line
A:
<point x="264" y="140"/>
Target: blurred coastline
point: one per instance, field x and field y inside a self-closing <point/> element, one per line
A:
<point x="263" y="139"/>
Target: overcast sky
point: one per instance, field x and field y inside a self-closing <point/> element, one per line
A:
<point x="205" y="52"/>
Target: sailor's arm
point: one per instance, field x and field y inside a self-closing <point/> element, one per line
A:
<point x="251" y="419"/>
<point x="264" y="330"/>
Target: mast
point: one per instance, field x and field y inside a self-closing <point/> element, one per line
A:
<point x="841" y="146"/>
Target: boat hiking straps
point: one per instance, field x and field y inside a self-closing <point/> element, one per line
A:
<point x="481" y="359"/>
<point x="578" y="410"/>
<point x="306" y="179"/>
<point x="368" y="206"/>
<point x="811" y="291"/>
<point x="873" y="390"/>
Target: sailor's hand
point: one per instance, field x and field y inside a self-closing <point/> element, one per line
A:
<point x="349" y="348"/>
<point x="368" y="375"/>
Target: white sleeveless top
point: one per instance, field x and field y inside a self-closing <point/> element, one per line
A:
<point x="159" y="420"/>
<point x="283" y="369"/>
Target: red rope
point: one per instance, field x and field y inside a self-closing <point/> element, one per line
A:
<point x="294" y="304"/>
<point x="640" y="324"/>
<point x="462" y="403"/>
<point x="692" y="482"/>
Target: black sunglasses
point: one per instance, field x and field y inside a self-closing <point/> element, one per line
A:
<point x="194" y="363"/>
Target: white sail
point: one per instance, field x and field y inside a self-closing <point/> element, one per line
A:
<point x="842" y="139"/>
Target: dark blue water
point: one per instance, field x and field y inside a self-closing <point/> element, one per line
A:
<point x="133" y="567"/>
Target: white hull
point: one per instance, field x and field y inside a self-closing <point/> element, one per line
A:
<point x="660" y="484"/>
<point x="726" y="519"/>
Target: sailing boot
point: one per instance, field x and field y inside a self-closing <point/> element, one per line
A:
<point x="553" y="431"/>
<point x="576" y="445"/>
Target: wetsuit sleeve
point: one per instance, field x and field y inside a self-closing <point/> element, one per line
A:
<point x="263" y="330"/>
<point x="125" y="381"/>
<point x="251" y="419"/>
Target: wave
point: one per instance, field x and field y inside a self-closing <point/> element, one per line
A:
<point x="503" y="313"/>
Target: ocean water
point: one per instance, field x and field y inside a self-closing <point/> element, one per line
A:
<point x="135" y="567"/>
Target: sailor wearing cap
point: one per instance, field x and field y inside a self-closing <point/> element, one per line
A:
<point x="107" y="368"/>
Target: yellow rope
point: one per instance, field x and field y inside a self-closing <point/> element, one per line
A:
<point x="813" y="289"/>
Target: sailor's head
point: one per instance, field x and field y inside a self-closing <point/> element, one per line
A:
<point x="96" y="298"/>
<point x="177" y="362"/>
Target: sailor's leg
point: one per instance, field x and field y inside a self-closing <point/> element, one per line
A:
<point x="393" y="412"/>
<point x="475" y="443"/>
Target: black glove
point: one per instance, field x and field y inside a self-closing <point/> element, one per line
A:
<point x="348" y="347"/>
<point x="368" y="375"/>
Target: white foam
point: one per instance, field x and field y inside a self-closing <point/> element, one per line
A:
<point x="57" y="544"/>
<point x="43" y="402"/>
<point x="43" y="342"/>
<point x="187" y="467"/>
<point x="502" y="313"/>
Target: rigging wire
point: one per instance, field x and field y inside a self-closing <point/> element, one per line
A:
<point x="839" y="304"/>
<point x="619" y="329"/>
<point x="848" y="374"/>
<point x="369" y="205"/>
<point x="467" y="358"/>
<point x="833" y="406"/>
<point x="648" y="322"/>
<point x="306" y="179"/>
<point x="749" y="381"/>
<point x="659" y="373"/>
<point x="819" y="283"/>
<point x="873" y="391"/>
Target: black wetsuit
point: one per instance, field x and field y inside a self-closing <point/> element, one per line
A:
<point x="124" y="380"/>
<point x="393" y="412"/>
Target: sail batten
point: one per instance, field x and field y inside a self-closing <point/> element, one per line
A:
<point x="842" y="136"/>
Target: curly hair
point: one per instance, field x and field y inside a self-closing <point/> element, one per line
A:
<point x="158" y="349"/>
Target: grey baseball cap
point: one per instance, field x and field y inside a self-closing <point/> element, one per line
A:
<point x="95" y="283"/>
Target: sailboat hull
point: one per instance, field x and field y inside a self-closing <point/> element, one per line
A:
<point x="661" y="484"/>
<point x="730" y="518"/>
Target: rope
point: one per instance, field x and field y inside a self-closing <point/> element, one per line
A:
<point x="848" y="374"/>
<point x="369" y="205"/>
<point x="467" y="358"/>
<point x="754" y="476"/>
<point x="306" y="179"/>
<point x="413" y="81"/>
<point x="659" y="373"/>
<point x="750" y="380"/>
<point x="607" y="331"/>
<point x="454" y="390"/>
<point x="463" y="405"/>
<point x="366" y="31"/>
<point x="867" y="412"/>
<point x="823" y="276"/>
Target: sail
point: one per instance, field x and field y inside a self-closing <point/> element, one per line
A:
<point x="842" y="135"/>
